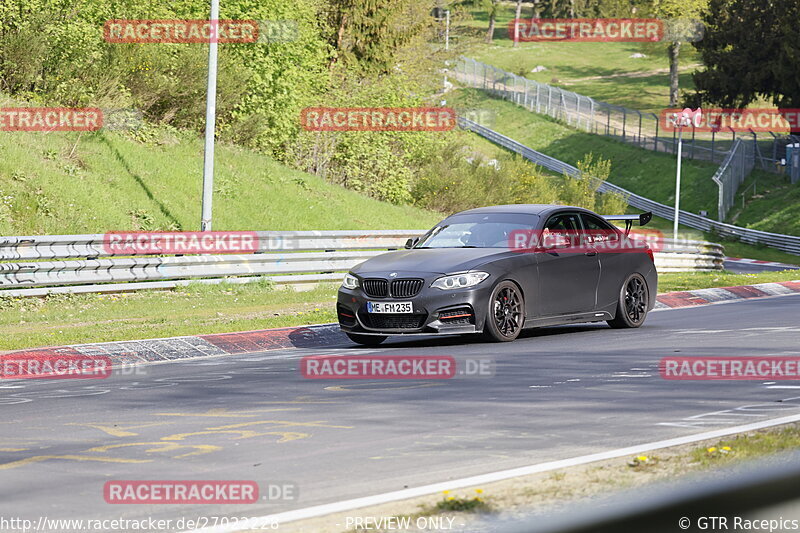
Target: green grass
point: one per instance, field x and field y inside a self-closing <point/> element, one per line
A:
<point x="744" y="447"/>
<point x="193" y="310"/>
<point x="638" y="83"/>
<point x="687" y="281"/>
<point x="774" y="204"/>
<point x="647" y="173"/>
<point x="67" y="183"/>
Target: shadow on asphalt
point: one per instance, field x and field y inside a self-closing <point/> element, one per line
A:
<point x="467" y="340"/>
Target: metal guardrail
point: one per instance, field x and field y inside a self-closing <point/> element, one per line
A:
<point x="787" y="243"/>
<point x="41" y="265"/>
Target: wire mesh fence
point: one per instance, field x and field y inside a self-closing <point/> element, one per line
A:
<point x="631" y="126"/>
<point x="731" y="174"/>
<point x="736" y="153"/>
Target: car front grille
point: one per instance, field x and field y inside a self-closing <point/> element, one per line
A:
<point x="376" y="288"/>
<point x="393" y="320"/>
<point x="400" y="288"/>
<point x="406" y="288"/>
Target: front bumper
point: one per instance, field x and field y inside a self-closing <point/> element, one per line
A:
<point x="435" y="311"/>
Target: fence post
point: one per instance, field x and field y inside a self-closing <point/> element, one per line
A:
<point x="525" y="96"/>
<point x="624" y="121"/>
<point x="639" y="138"/>
<point x="713" y="136"/>
<point x="608" y="121"/>
<point x="693" y="130"/>
<point x="655" y="141"/>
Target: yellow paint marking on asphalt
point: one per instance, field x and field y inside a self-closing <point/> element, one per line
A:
<point x="283" y="423"/>
<point x="243" y="434"/>
<point x="355" y="388"/>
<point x="159" y="446"/>
<point x="118" y="431"/>
<point x="224" y="413"/>
<point x="13" y="449"/>
<point x="40" y="458"/>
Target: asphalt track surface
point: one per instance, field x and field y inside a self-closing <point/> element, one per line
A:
<point x="555" y="393"/>
<point x="751" y="268"/>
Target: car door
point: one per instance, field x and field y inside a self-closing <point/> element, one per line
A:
<point x="614" y="262"/>
<point x="568" y="272"/>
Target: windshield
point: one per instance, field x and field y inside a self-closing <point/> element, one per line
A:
<point x="492" y="230"/>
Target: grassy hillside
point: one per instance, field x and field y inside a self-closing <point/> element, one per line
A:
<point x="64" y="183"/>
<point x="774" y="206"/>
<point x="605" y="71"/>
<point x="644" y="172"/>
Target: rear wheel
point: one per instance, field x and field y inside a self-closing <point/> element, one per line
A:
<point x="366" y="340"/>
<point x="633" y="303"/>
<point x="506" y="313"/>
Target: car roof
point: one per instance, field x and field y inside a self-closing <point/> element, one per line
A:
<point x="529" y="209"/>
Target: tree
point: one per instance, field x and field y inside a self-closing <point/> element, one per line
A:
<point x="751" y="50"/>
<point x="370" y="33"/>
<point x="672" y="9"/>
<point x="517" y="15"/>
<point x="492" y="7"/>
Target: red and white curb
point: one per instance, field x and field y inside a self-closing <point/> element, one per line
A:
<point x="784" y="266"/>
<point x="674" y="300"/>
<point x="324" y="335"/>
<point x="152" y="350"/>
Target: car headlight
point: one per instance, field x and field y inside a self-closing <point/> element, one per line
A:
<point x="350" y="281"/>
<point x="460" y="281"/>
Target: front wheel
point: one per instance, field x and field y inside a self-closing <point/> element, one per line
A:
<point x="366" y="340"/>
<point x="506" y="313"/>
<point x="633" y="303"/>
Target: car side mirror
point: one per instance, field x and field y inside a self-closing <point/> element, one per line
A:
<point x="411" y="242"/>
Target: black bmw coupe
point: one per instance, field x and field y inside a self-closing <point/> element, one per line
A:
<point x="497" y="270"/>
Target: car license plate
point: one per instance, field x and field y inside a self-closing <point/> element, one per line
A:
<point x="389" y="307"/>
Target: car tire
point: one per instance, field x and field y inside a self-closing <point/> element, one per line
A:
<point x="505" y="315"/>
<point x="632" y="304"/>
<point x="366" y="340"/>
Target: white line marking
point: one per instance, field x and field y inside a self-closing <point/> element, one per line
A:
<point x="348" y="505"/>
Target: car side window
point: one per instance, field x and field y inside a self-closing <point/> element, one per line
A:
<point x="563" y="222"/>
<point x="560" y="230"/>
<point x="598" y="229"/>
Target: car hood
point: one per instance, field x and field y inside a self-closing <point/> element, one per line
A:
<point x="431" y="261"/>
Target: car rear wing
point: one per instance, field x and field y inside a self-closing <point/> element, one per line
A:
<point x="643" y="219"/>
